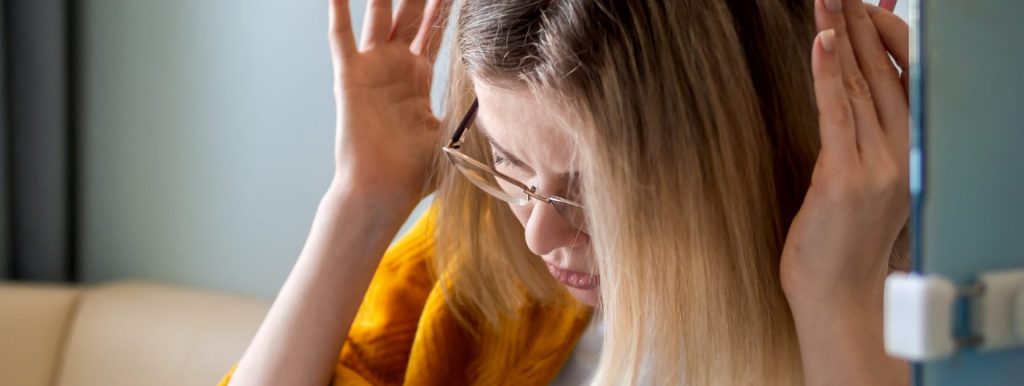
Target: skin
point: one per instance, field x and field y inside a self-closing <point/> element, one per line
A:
<point x="534" y="139"/>
<point x="834" y="259"/>
<point x="836" y="254"/>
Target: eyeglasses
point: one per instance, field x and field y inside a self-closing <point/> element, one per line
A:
<point x="501" y="186"/>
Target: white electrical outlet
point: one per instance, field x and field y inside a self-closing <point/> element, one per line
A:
<point x="997" y="316"/>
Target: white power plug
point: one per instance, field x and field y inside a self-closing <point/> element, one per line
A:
<point x="919" y="316"/>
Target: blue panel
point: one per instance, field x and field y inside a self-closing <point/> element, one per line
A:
<point x="972" y="207"/>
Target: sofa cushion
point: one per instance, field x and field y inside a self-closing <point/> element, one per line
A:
<point x="138" y="333"/>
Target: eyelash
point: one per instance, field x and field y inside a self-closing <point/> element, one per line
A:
<point x="499" y="160"/>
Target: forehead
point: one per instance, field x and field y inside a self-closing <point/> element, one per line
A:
<point x="525" y="126"/>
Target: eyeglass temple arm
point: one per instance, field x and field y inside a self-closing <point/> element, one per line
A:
<point x="457" y="136"/>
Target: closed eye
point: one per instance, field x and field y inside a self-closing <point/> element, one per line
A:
<point x="502" y="160"/>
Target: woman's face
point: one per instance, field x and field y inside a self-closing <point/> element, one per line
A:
<point x="530" y="147"/>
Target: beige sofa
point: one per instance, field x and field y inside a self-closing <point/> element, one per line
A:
<point x="124" y="333"/>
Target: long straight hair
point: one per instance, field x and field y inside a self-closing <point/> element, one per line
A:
<point x="696" y="134"/>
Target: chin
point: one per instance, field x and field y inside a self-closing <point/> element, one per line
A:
<point x="590" y="297"/>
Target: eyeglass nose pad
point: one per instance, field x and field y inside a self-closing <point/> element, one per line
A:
<point x="532" y="193"/>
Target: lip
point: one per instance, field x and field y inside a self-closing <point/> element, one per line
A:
<point x="574" y="279"/>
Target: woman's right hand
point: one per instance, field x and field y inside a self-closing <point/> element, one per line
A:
<point x="386" y="131"/>
<point x="386" y="134"/>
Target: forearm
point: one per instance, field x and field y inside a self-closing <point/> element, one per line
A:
<point x="842" y="343"/>
<point x="302" y="334"/>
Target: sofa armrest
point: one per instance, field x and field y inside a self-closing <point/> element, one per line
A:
<point x="33" y="325"/>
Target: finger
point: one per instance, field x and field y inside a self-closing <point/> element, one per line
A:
<point x="895" y="37"/>
<point x="887" y="4"/>
<point x="376" y="23"/>
<point x="835" y="115"/>
<point x="829" y="15"/>
<point x="887" y="93"/>
<point x="895" y="34"/>
<point x="343" y="42"/>
<point x="407" y="21"/>
<point x="428" y="40"/>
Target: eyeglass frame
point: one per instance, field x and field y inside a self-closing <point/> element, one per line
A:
<point x="452" y="150"/>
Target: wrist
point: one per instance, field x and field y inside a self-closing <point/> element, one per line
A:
<point x="346" y="187"/>
<point x="814" y="301"/>
<point x="352" y="230"/>
<point x="844" y="339"/>
<point x="848" y="290"/>
<point x="378" y="210"/>
<point x="836" y="302"/>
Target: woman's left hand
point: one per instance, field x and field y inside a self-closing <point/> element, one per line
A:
<point x="839" y="243"/>
<point x="837" y="252"/>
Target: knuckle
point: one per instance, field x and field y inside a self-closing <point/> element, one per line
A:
<point x="839" y="188"/>
<point x="858" y="17"/>
<point x="892" y="178"/>
<point x="334" y="31"/>
<point x="857" y="86"/>
<point x="842" y="191"/>
<point x="839" y="113"/>
<point x="882" y="69"/>
<point x="887" y="20"/>
<point x="883" y="185"/>
<point x="840" y="30"/>
<point x="887" y="179"/>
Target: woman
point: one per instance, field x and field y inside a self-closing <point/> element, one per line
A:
<point x="724" y="184"/>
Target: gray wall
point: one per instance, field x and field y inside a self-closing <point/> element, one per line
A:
<point x="207" y="136"/>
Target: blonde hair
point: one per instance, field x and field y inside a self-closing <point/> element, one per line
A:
<point x="697" y="135"/>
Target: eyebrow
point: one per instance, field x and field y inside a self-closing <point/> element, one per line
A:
<point x="508" y="155"/>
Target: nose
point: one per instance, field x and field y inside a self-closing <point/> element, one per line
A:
<point x="546" y="230"/>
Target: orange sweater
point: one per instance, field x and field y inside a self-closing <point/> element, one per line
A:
<point x="405" y="334"/>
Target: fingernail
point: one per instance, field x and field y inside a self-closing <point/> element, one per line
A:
<point x="828" y="40"/>
<point x="834" y="5"/>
